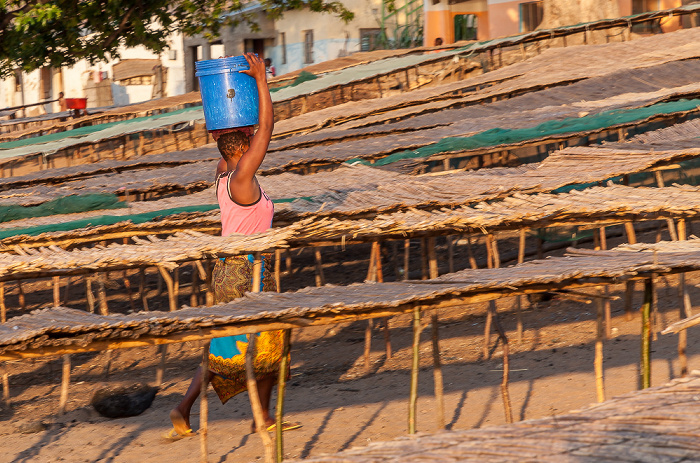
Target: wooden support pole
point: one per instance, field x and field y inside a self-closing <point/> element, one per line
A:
<point x="88" y="294"/>
<point x="413" y="395"/>
<point x="598" y="362"/>
<point x="194" y="293"/>
<point x="686" y="309"/>
<point x="470" y="252"/>
<point x="489" y="252"/>
<point x="645" y="370"/>
<point x="142" y="289"/>
<point x="669" y="222"/>
<point x="102" y="294"/>
<point x="368" y="343"/>
<point x="255" y="403"/>
<point x="257" y="272"/>
<point x="204" y="406"/>
<point x="629" y="293"/>
<point x="22" y="299"/>
<point x="207" y="279"/>
<point x="432" y="258"/>
<point x="160" y="369"/>
<point x="65" y="381"/>
<point x="631" y="236"/>
<point x="406" y="258"/>
<point x="450" y="254"/>
<point x="3" y="308"/>
<point x="505" y="394"/>
<point x="56" y="291"/>
<point x="519" y="298"/>
<point x="172" y="300"/>
<point x="494" y="251"/>
<point x="437" y="373"/>
<point x="278" y="264"/>
<point x="281" y="388"/>
<point x="5" y="384"/>
<point x="320" y="278"/>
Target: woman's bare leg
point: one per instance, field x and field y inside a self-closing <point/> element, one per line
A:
<point x="265" y="387"/>
<point x="180" y="415"/>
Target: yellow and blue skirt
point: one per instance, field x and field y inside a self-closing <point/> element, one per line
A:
<point x="232" y="278"/>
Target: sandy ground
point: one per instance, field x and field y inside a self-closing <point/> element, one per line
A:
<point x="339" y="403"/>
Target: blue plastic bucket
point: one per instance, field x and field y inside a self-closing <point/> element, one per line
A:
<point x="229" y="98"/>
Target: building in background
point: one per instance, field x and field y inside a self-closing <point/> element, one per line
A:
<point x="138" y="75"/>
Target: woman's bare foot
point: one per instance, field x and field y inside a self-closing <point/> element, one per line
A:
<point x="268" y="422"/>
<point x="180" y="423"/>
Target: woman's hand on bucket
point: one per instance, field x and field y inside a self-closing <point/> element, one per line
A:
<point x="257" y="66"/>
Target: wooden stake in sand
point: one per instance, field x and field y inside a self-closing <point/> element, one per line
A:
<point x="102" y="294"/>
<point x="437" y="373"/>
<point x="3" y="308"/>
<point x="437" y="366"/>
<point x="56" y="291"/>
<point x="406" y="258"/>
<point x="505" y="394"/>
<point x="5" y="384"/>
<point x="65" y="381"/>
<point x="255" y="403"/>
<point x="204" y="406"/>
<point x="143" y="289"/>
<point x="519" y="298"/>
<point x="685" y="309"/>
<point x="645" y="369"/>
<point x="278" y="264"/>
<point x="172" y="299"/>
<point x="160" y="369"/>
<point x="320" y="278"/>
<point x="598" y="362"/>
<point x="413" y="395"/>
<point x="281" y="388"/>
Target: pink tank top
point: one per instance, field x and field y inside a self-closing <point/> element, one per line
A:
<point x="245" y="219"/>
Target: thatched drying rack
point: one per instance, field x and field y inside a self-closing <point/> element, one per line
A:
<point x="65" y="331"/>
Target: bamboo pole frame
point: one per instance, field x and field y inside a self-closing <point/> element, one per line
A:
<point x="281" y="389"/>
<point x="598" y="361"/>
<point x="415" y="364"/>
<point x="645" y="369"/>
<point x="160" y="369"/>
<point x="255" y="403"/>
<point x="505" y="394"/>
<point x="204" y="406"/>
<point x="65" y="382"/>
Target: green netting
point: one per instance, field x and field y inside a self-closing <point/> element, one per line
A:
<point x="65" y="205"/>
<point x="112" y="219"/>
<point x="500" y="136"/>
<point x="82" y="131"/>
<point x="304" y="76"/>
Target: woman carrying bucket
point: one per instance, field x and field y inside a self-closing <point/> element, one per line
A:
<point x="245" y="209"/>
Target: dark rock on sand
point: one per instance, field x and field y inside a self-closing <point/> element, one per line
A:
<point x="121" y="401"/>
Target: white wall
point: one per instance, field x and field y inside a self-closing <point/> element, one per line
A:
<point x="332" y="37"/>
<point x="75" y="78"/>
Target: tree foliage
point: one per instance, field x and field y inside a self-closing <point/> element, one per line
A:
<point x="36" y="33"/>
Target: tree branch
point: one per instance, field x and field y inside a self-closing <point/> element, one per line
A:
<point x="117" y="32"/>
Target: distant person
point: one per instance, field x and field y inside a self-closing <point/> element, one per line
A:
<point x="438" y="42"/>
<point x="269" y="69"/>
<point x="245" y="209"/>
<point x="62" y="106"/>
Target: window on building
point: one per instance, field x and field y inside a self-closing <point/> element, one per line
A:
<point x="370" y="39"/>
<point x="45" y="81"/>
<point x="530" y="16"/>
<point x="644" y="6"/>
<point x="465" y="27"/>
<point x="308" y="47"/>
<point x="283" y="46"/>
<point x="18" y="80"/>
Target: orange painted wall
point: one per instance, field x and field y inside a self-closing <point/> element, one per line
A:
<point x="441" y="23"/>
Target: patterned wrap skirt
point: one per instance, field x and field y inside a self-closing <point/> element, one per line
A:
<point x="231" y="279"/>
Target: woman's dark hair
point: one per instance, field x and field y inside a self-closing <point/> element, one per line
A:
<point x="232" y="143"/>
